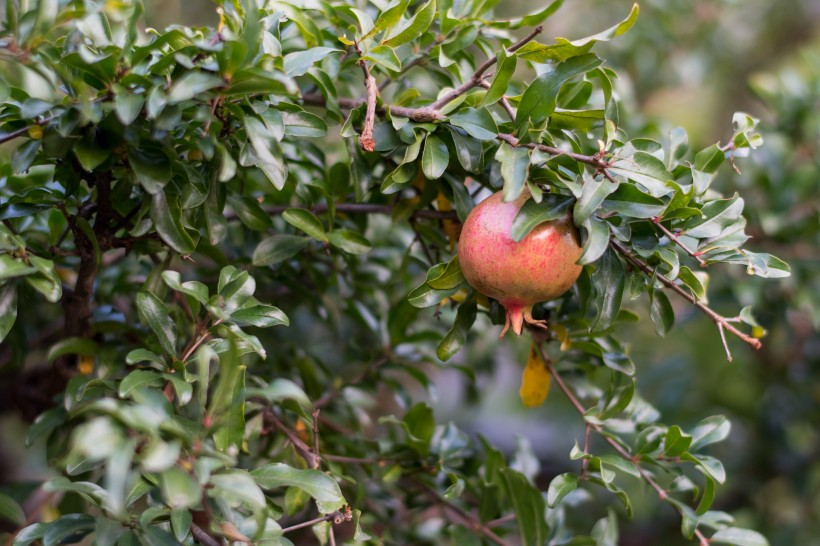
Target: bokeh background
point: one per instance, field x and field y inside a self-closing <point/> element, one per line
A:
<point x="689" y="63"/>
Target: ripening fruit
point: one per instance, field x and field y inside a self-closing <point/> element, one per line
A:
<point x="540" y="267"/>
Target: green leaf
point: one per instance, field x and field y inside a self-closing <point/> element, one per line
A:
<point x="415" y="27"/>
<point x="709" y="431"/>
<point x="450" y="278"/>
<point x="138" y="379"/>
<point x="454" y="340"/>
<point x="424" y="295"/>
<point x="281" y="389"/>
<point x="537" y="17"/>
<point x="593" y="194"/>
<point x="538" y="101"/>
<point x="561" y="486"/>
<point x="434" y="158"/>
<point x="317" y="484"/>
<point x="477" y="122"/>
<point x="506" y="64"/>
<point x="630" y="201"/>
<point x="45" y="281"/>
<point x="531" y="214"/>
<point x="249" y="212"/>
<point x="528" y="505"/>
<point x="299" y="62"/>
<point x="515" y="167"/>
<point x="647" y="170"/>
<point x="195" y="289"/>
<point x="385" y="56"/>
<point x="306" y="221"/>
<point x="11" y="512"/>
<point x="8" y="308"/>
<point x="596" y="241"/>
<point x="10" y="267"/>
<point x="469" y="152"/>
<point x="89" y="153"/>
<point x="153" y="311"/>
<point x="304" y="124"/>
<point x="73" y="346"/>
<point x="127" y="106"/>
<point x="661" y="312"/>
<point x="180" y="489"/>
<point x="676" y="442"/>
<point x="390" y="17"/>
<point x="167" y="217"/>
<point x="68" y="529"/>
<point x="718" y="215"/>
<point x="268" y="153"/>
<point x="738" y="537"/>
<point x="707" y="498"/>
<point x="261" y="316"/>
<point x="349" y="241"/>
<point x="609" y="279"/>
<point x="692" y="282"/>
<point x="236" y="486"/>
<point x="278" y="248"/>
<point x="192" y="84"/>
<point x="181" y="520"/>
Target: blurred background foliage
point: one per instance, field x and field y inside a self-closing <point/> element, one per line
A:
<point x="689" y="63"/>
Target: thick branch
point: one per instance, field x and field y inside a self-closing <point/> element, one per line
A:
<point x="619" y="449"/>
<point x="478" y="76"/>
<point x="722" y="322"/>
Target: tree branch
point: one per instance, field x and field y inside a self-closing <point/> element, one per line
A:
<point x="478" y="76"/>
<point x="366" y="137"/>
<point x="362" y="208"/>
<point x="619" y="449"/>
<point x="723" y="323"/>
<point x="312" y="459"/>
<point x="674" y="238"/>
<point x="461" y="517"/>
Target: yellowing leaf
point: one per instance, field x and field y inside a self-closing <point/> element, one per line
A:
<point x="86" y="365"/>
<point x="562" y="334"/>
<point x="451" y="228"/>
<point x="535" y="381"/>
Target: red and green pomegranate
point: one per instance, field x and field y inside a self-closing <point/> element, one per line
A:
<point x="540" y="267"/>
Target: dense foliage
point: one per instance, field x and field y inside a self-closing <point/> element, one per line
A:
<point x="179" y="192"/>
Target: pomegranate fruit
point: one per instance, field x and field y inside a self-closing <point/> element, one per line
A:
<point x="540" y="267"/>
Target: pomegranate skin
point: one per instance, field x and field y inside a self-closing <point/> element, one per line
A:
<point x="539" y="268"/>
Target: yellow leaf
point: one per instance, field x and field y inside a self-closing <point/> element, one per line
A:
<point x="86" y="365"/>
<point x="562" y="334"/>
<point x="451" y="228"/>
<point x="35" y="132"/>
<point x="535" y="381"/>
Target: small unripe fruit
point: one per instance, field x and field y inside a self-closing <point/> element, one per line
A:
<point x="540" y="267"/>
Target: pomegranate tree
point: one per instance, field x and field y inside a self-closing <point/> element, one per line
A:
<point x="540" y="267"/>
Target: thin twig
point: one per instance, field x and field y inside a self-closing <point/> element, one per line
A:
<point x="721" y="321"/>
<point x="423" y="246"/>
<point x="22" y="130"/>
<point x="505" y="104"/>
<point x="477" y="77"/>
<point x="461" y="516"/>
<point x="202" y="537"/>
<point x="674" y="238"/>
<point x="312" y="459"/>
